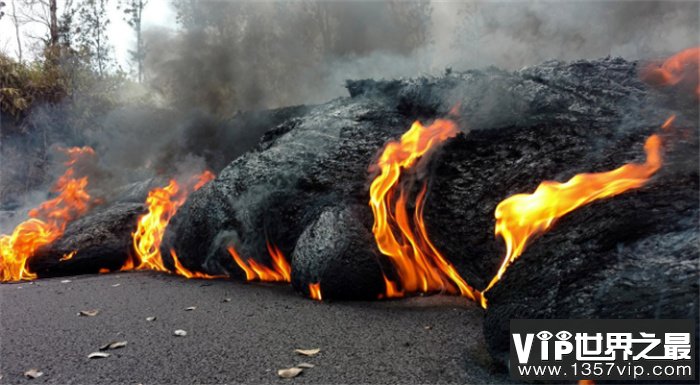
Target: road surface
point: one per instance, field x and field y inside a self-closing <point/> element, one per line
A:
<point x="244" y="340"/>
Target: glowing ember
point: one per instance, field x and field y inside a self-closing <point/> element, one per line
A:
<point x="522" y="217"/>
<point x="162" y="205"/>
<point x="419" y="266"/>
<point x="68" y="256"/>
<point x="254" y="271"/>
<point x="315" y="291"/>
<point x="681" y="67"/>
<point x="48" y="221"/>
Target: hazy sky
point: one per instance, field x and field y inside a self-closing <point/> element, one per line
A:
<point x="158" y="13"/>
<point x="472" y="34"/>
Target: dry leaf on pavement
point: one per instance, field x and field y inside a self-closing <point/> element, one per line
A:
<point x="307" y="352"/>
<point x="33" y="373"/>
<point x="89" y="313"/>
<point x="289" y="372"/>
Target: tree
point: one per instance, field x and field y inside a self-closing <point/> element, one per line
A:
<point x="53" y="24"/>
<point x="133" y="9"/>
<point x="43" y="12"/>
<point x="92" y="34"/>
<point x="16" y="22"/>
<point x="65" y="24"/>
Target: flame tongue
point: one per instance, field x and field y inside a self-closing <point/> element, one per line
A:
<point x="521" y="217"/>
<point x="681" y="67"/>
<point x="254" y="271"/>
<point x="162" y="205"/>
<point x="402" y="237"/>
<point x="315" y="291"/>
<point x="48" y="221"/>
<point x="420" y="267"/>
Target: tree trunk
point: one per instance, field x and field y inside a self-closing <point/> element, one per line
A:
<point x="139" y="41"/>
<point x="53" y="24"/>
<point x="17" y="35"/>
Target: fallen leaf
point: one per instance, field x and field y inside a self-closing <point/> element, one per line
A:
<point x="180" y="333"/>
<point x="289" y="372"/>
<point x="117" y="344"/>
<point x="227" y="300"/>
<point x="113" y="345"/>
<point x="116" y="284"/>
<point x="33" y="373"/>
<point x="427" y="327"/>
<point x="66" y="281"/>
<point x="95" y="355"/>
<point x="150" y="319"/>
<point x="89" y="313"/>
<point x="307" y="352"/>
<point x="190" y="308"/>
<point x="305" y="365"/>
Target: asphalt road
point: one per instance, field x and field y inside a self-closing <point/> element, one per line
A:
<point x="246" y="340"/>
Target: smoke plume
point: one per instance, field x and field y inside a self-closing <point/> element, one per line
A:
<point x="226" y="57"/>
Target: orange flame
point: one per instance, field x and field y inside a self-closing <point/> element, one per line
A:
<point x="162" y="204"/>
<point x="315" y="291"/>
<point x="69" y="256"/>
<point x="681" y="67"/>
<point x="254" y="271"/>
<point x="181" y="270"/>
<point x="47" y="222"/>
<point x="419" y="266"/>
<point x="522" y="217"/>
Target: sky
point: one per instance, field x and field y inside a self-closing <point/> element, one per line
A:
<point x="157" y="13"/>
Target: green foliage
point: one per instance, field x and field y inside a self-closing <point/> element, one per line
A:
<point x="22" y="85"/>
<point x="91" y="36"/>
<point x="64" y="78"/>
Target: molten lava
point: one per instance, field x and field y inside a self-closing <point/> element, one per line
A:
<point x="254" y="271"/>
<point x="683" y="67"/>
<point x="522" y="217"/>
<point x="419" y="266"/>
<point x="162" y="205"/>
<point x="403" y="238"/>
<point x="48" y="221"/>
<point x="315" y="291"/>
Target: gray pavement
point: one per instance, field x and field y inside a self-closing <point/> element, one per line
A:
<point x="418" y="340"/>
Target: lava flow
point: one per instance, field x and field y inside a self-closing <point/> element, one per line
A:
<point x="162" y="205"/>
<point x="420" y="267"/>
<point x="402" y="237"/>
<point x="279" y="272"/>
<point x="48" y="221"/>
<point x="522" y="217"/>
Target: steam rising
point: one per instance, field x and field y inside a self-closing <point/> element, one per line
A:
<point x="228" y="56"/>
<point x="243" y="55"/>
